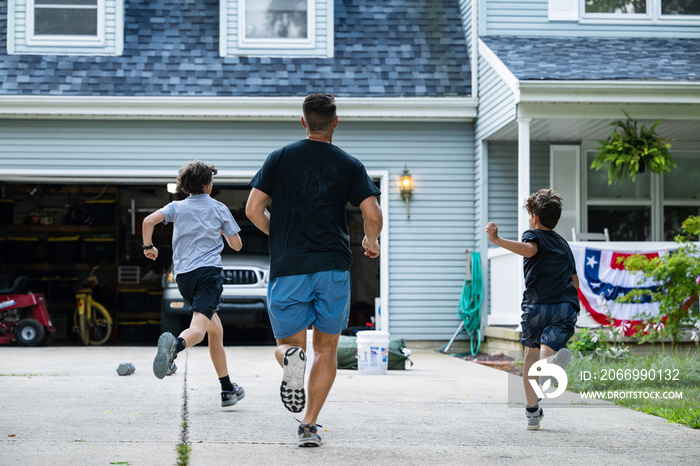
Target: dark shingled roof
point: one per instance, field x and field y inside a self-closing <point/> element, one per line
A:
<point x="579" y="58"/>
<point x="413" y="48"/>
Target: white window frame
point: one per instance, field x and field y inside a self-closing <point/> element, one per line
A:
<point x="656" y="224"/>
<point x="657" y="201"/>
<point x="66" y="40"/>
<point x="309" y="42"/>
<point x="653" y="16"/>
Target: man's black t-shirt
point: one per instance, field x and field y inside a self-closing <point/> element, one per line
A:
<point x="548" y="274"/>
<point x="310" y="183"/>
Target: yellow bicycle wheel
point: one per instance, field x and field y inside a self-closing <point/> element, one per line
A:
<point x="80" y="323"/>
<point x="99" y="324"/>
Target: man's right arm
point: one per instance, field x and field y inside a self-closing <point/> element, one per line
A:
<point x="373" y="219"/>
<point x="256" y="210"/>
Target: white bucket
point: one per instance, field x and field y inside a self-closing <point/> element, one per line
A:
<point x="372" y="352"/>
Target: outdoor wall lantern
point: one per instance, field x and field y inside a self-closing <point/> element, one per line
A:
<point x="406" y="188"/>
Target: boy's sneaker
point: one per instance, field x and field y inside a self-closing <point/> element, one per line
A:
<point x="292" y="387"/>
<point x="308" y="436"/>
<point x="561" y="359"/>
<point x="533" y="419"/>
<point x="167" y="352"/>
<point x="230" y="398"/>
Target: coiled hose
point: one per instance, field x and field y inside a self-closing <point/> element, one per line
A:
<point x="469" y="307"/>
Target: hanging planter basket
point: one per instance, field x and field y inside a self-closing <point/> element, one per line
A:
<point x="628" y="151"/>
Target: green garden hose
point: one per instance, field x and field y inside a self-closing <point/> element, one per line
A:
<point x="469" y="307"/>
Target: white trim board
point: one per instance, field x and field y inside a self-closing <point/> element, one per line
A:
<point x="462" y="109"/>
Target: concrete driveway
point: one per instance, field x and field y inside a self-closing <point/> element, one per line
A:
<point x="68" y="405"/>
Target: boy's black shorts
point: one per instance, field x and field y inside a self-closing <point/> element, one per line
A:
<point x="548" y="324"/>
<point x="201" y="289"/>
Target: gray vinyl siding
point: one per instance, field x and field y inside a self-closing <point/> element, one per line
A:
<point x="323" y="34"/>
<point x="113" y="33"/>
<point x="496" y="102"/>
<point x="427" y="251"/>
<point x="503" y="182"/>
<point x="496" y="109"/>
<point x="529" y="18"/>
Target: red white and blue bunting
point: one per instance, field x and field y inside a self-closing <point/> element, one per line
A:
<point x="602" y="279"/>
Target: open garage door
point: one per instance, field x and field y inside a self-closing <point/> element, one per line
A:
<point x="55" y="228"/>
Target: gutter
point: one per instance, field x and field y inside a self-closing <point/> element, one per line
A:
<point x="462" y="109"/>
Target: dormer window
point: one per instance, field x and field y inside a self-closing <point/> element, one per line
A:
<point x="75" y="18"/>
<point x="627" y="11"/>
<point x="276" y="28"/>
<point x="680" y="7"/>
<point x="276" y="22"/>
<point x="66" y="27"/>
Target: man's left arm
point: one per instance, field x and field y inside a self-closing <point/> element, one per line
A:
<point x="373" y="222"/>
<point x="256" y="210"/>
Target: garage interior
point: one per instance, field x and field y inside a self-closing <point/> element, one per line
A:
<point x="57" y="234"/>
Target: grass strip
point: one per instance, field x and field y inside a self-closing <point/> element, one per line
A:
<point x="673" y="374"/>
<point x="183" y="448"/>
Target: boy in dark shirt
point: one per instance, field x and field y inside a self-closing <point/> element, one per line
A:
<point x="550" y="302"/>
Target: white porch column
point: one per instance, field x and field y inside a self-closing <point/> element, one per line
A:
<point x="523" y="185"/>
<point x="523" y="172"/>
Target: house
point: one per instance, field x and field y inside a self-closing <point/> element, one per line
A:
<point x="552" y="76"/>
<point x="103" y="100"/>
<point x="482" y="101"/>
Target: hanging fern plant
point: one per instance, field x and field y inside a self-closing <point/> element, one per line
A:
<point x="628" y="152"/>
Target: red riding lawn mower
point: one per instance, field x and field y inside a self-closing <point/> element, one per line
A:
<point x="24" y="317"/>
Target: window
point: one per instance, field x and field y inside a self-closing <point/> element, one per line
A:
<point x="277" y="28"/>
<point x="276" y="23"/>
<point x="65" y="18"/>
<point x="623" y="208"/>
<point x="614" y="11"/>
<point x="641" y="10"/>
<point x="65" y="21"/>
<point x="650" y="209"/>
<point x="680" y="7"/>
<point x="616" y="6"/>
<point x="65" y="27"/>
<point x="681" y="193"/>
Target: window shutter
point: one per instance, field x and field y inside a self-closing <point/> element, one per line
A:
<point x="565" y="178"/>
<point x="563" y="10"/>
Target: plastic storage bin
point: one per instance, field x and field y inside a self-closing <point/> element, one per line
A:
<point x="60" y="289"/>
<point x="99" y="249"/>
<point x="64" y="249"/>
<point x="137" y="331"/>
<point x="21" y="249"/>
<point x="100" y="212"/>
<point x="7" y="211"/>
<point x="132" y="300"/>
<point x="153" y="301"/>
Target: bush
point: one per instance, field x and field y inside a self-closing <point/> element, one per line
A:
<point x="676" y="275"/>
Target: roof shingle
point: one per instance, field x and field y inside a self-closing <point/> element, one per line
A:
<point x="579" y="58"/>
<point x="382" y="48"/>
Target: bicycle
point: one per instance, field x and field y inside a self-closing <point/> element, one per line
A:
<point x="91" y="320"/>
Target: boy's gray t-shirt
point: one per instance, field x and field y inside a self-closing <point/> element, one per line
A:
<point x="198" y="222"/>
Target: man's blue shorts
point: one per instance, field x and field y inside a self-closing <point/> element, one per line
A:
<point x="321" y="299"/>
<point x="201" y="289"/>
<point x="548" y="324"/>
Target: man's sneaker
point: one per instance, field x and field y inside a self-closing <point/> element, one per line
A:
<point x="167" y="344"/>
<point x="533" y="419"/>
<point x="308" y="436"/>
<point x="292" y="387"/>
<point x="230" y="398"/>
<point x="561" y="359"/>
